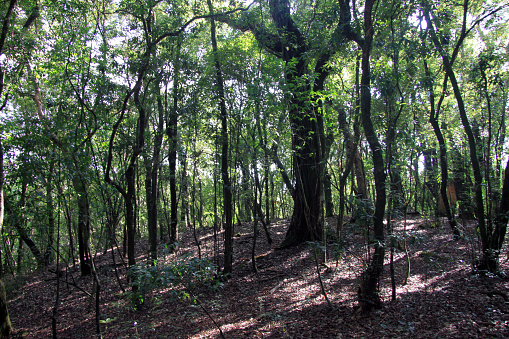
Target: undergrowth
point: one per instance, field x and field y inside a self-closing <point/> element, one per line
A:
<point x="185" y="275"/>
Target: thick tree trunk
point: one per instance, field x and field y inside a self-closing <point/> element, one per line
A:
<point x="5" y="321"/>
<point x="490" y="259"/>
<point x="289" y="44"/>
<point x="305" y="224"/>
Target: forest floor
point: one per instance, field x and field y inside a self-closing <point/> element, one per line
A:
<point x="442" y="297"/>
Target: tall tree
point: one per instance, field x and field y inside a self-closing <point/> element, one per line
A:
<point x="5" y="322"/>
<point x="444" y="169"/>
<point x="368" y="290"/>
<point x="306" y="68"/>
<point x="152" y="164"/>
<point x="227" y="188"/>
<point x="490" y="246"/>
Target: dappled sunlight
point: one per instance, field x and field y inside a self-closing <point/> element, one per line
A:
<point x="240" y="325"/>
<point x="284" y="299"/>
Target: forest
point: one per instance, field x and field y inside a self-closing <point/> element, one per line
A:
<point x="261" y="169"/>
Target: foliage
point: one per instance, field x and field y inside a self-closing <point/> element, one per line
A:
<point x="105" y="70"/>
<point x="184" y="276"/>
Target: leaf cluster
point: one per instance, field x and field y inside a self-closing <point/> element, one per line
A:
<point x="185" y="275"/>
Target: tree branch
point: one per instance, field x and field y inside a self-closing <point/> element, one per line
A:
<point x="185" y="25"/>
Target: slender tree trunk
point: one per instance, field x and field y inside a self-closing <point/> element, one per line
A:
<point x="433" y="119"/>
<point x="255" y="219"/>
<point x="23" y="234"/>
<point x="83" y="225"/>
<point x="51" y="221"/>
<point x="184" y="189"/>
<point x="326" y="141"/>
<point x="490" y="256"/>
<point x="56" y="304"/>
<point x="368" y="290"/>
<point x="130" y="220"/>
<point x="351" y="153"/>
<point x="282" y="170"/>
<point x="262" y="135"/>
<point x="2" y="180"/>
<point x="351" y="142"/>
<point x="171" y="131"/>
<point x="129" y="193"/>
<point x="19" y="259"/>
<point x="245" y="209"/>
<point x="5" y="322"/>
<point x="79" y="182"/>
<point x="227" y="193"/>
<point x="151" y="179"/>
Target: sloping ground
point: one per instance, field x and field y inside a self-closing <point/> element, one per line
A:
<point x="441" y="299"/>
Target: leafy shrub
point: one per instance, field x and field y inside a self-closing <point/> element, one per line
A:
<point x="188" y="273"/>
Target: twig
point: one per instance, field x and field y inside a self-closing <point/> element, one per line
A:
<point x="208" y="314"/>
<point x="72" y="284"/>
<point x="320" y="279"/>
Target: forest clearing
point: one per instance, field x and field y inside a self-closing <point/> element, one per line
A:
<point x="443" y="297"/>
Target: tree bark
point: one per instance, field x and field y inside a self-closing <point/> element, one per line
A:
<point x="282" y="170"/>
<point x="288" y="44"/>
<point x="171" y="132"/>
<point x="227" y="193"/>
<point x="51" y="221"/>
<point x="129" y="193"/>
<point x="489" y="255"/>
<point x="151" y="179"/>
<point x="433" y="119"/>
<point x="351" y="145"/>
<point x="497" y="239"/>
<point x="305" y="224"/>
<point x="24" y="236"/>
<point x="79" y="181"/>
<point x="368" y="290"/>
<point x="5" y="321"/>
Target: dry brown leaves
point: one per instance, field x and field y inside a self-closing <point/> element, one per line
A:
<point x="442" y="298"/>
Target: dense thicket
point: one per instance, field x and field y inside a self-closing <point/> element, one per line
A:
<point x="145" y="118"/>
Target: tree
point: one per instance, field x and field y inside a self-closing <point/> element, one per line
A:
<point x="444" y="169"/>
<point x="368" y="295"/>
<point x="490" y="238"/>
<point x="5" y="322"/>
<point x="227" y="188"/>
<point x="306" y="68"/>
